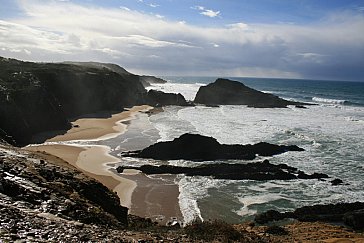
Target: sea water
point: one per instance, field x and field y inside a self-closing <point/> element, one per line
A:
<point x="331" y="133"/>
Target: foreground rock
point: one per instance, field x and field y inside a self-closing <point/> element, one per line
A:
<point x="228" y="92"/>
<point x="43" y="199"/>
<point x="252" y="171"/>
<point x="351" y="214"/>
<point x="201" y="148"/>
<point x="50" y="189"/>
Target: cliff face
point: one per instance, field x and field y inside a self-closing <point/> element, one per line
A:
<point x="37" y="97"/>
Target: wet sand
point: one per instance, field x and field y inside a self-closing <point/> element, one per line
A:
<point x="145" y="197"/>
<point x="156" y="198"/>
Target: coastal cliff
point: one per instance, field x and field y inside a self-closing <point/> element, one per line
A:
<point x="39" y="97"/>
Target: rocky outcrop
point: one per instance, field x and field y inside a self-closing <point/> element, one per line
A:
<point x="148" y="80"/>
<point x="259" y="171"/>
<point x="159" y="98"/>
<point x="228" y="92"/>
<point x="45" y="188"/>
<point x="37" y="97"/>
<point x="351" y="214"/>
<point x="201" y="148"/>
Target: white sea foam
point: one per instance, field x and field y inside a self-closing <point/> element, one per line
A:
<point x="249" y="201"/>
<point x="191" y="190"/>
<point x="329" y="101"/>
<point x="331" y="137"/>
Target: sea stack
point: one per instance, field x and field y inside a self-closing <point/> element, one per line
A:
<point x="228" y="92"/>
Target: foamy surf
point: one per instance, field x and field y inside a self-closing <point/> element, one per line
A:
<point x="329" y="101"/>
<point x="331" y="137"/>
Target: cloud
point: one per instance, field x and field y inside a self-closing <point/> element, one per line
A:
<point x="145" y="43"/>
<point x="210" y="13"/>
<point x="153" y="5"/>
<point x="125" y="8"/>
<point x="207" y="12"/>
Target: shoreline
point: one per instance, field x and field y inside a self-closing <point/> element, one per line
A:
<point x="145" y="197"/>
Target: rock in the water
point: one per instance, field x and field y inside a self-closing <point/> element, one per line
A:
<point x="228" y="92"/>
<point x="148" y="80"/>
<point x="159" y="98"/>
<point x="336" y="182"/>
<point x="201" y="148"/>
<point x="352" y="214"/>
<point x="259" y="171"/>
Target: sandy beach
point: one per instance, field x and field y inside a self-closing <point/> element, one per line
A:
<point x="145" y="197"/>
<point x="100" y="128"/>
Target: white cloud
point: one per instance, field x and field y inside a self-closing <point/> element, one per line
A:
<point x="241" y="26"/>
<point x="125" y="8"/>
<point x="199" y="8"/>
<point x="53" y="31"/>
<point x="207" y="12"/>
<point x="210" y="13"/>
<point x="153" y="5"/>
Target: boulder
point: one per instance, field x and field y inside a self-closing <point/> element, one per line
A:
<point x="201" y="148"/>
<point x="228" y="92"/>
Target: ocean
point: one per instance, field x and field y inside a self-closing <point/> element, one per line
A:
<point x="331" y="133"/>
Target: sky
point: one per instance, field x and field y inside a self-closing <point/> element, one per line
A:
<point x="310" y="39"/>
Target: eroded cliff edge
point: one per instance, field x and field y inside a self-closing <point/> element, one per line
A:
<point x="39" y="97"/>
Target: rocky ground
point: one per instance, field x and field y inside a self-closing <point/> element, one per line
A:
<point x="44" y="199"/>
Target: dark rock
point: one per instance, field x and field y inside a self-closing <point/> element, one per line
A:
<point x="228" y="92"/>
<point x="60" y="191"/>
<point x="270" y="215"/>
<point x="148" y="80"/>
<point x="300" y="106"/>
<point x="276" y="230"/>
<point x="159" y="98"/>
<point x="302" y="175"/>
<point x="355" y="219"/>
<point x="252" y="171"/>
<point x="201" y="148"/>
<point x="38" y="97"/>
<point x="352" y="214"/>
<point x="336" y="182"/>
